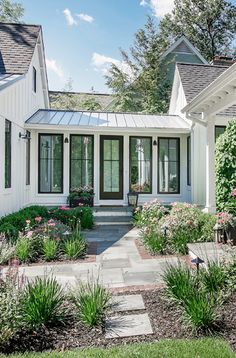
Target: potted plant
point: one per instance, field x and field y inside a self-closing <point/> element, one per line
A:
<point x="82" y="195"/>
<point x="228" y="223"/>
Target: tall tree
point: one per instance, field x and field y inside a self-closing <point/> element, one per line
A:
<point x="210" y="25"/>
<point x="10" y="11"/>
<point x="138" y="83"/>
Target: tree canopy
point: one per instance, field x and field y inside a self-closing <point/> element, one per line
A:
<point x="10" y="11"/>
<point x="138" y="83"/>
<point x="210" y="25"/>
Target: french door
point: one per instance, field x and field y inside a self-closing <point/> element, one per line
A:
<point x="111" y="167"/>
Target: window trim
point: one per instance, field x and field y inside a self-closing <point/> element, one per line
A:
<point x="34" y="80"/>
<point x="62" y="164"/>
<point x="151" y="161"/>
<point x="178" y="172"/>
<point x="189" y="179"/>
<point x="81" y="135"/>
<point x="9" y="172"/>
<point x="28" y="157"/>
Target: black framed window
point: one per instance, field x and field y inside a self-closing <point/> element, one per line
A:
<point x="34" y="80"/>
<point x="169" y="165"/>
<point x="7" y="154"/>
<point x="81" y="160"/>
<point x="28" y="158"/>
<point x="141" y="164"/>
<point x="219" y="130"/>
<point x="50" y="163"/>
<point x="189" y="160"/>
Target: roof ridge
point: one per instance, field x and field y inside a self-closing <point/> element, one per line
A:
<point x="19" y="24"/>
<point x="200" y="64"/>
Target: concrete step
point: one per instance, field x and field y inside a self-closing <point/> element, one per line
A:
<point x="110" y="209"/>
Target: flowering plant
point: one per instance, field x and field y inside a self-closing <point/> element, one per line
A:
<point x="226" y="220"/>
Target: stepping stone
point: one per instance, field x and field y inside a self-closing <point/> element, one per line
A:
<point x="127" y="326"/>
<point x="128" y="303"/>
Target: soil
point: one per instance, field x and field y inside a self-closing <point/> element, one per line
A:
<point x="166" y="320"/>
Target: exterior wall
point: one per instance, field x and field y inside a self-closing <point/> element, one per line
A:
<point x="17" y="103"/>
<point x="58" y="199"/>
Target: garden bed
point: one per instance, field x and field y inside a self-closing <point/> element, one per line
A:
<point x="166" y="320"/>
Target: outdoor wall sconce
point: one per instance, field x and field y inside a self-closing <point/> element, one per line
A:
<point x="25" y="136"/>
<point x="218" y="233"/>
<point x="66" y="141"/>
<point x="132" y="199"/>
<point x="154" y="143"/>
<point x="197" y="261"/>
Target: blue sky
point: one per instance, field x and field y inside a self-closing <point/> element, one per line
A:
<point x="82" y="37"/>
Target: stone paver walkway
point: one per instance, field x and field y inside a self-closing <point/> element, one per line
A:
<point x="118" y="263"/>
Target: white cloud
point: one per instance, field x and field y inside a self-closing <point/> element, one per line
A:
<point x="102" y="64"/>
<point x="53" y="66"/>
<point x="69" y="18"/>
<point x="143" y="3"/>
<point x="85" y="17"/>
<point x="159" y="7"/>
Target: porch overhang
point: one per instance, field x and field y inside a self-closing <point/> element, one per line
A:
<point x="85" y="121"/>
<point x="219" y="96"/>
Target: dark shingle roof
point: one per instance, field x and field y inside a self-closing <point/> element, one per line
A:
<point x="195" y="77"/>
<point x="17" y="44"/>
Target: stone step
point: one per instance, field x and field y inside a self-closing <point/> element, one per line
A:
<point x="112" y="213"/>
<point x="97" y="209"/>
<point x="113" y="219"/>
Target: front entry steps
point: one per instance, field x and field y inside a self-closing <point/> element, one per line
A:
<point x="107" y="215"/>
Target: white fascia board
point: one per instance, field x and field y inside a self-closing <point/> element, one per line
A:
<point x="224" y="81"/>
<point x="113" y="130"/>
<point x="43" y="68"/>
<point x="188" y="43"/>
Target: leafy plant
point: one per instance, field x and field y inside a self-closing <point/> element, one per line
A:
<point x="180" y="282"/>
<point x="7" y="252"/>
<point x="201" y="311"/>
<point x="50" y="249"/>
<point x="91" y="301"/>
<point x="10" y="232"/>
<point x="75" y="246"/>
<point x="214" y="277"/>
<point x="24" y="249"/>
<point x="10" y="306"/>
<point x="43" y="303"/>
<point x="156" y="243"/>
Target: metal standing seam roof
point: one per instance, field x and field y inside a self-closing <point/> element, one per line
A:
<point x="106" y="119"/>
<point x="7" y="79"/>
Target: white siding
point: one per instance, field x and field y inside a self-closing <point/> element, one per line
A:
<point x="17" y="103"/>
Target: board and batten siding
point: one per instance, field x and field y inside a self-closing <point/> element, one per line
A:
<point x="61" y="199"/>
<point x="17" y="103"/>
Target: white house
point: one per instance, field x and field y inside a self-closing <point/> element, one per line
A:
<point x="44" y="153"/>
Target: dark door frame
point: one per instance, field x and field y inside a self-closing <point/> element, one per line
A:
<point x="112" y="195"/>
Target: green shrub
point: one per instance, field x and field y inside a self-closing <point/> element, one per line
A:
<point x="91" y="301"/>
<point x="71" y="217"/>
<point x="10" y="232"/>
<point x="43" y="303"/>
<point x="225" y="166"/>
<point x="201" y="311"/>
<point x="24" y="249"/>
<point x="156" y="242"/>
<point x="50" y="249"/>
<point x="180" y="282"/>
<point x="10" y="300"/>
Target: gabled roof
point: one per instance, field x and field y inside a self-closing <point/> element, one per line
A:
<point x="17" y="44"/>
<point x="195" y="78"/>
<point x="106" y="121"/>
<point x="179" y="45"/>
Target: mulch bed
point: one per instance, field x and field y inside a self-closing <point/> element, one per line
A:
<point x="166" y="322"/>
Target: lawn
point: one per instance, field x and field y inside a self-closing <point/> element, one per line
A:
<point x="202" y="348"/>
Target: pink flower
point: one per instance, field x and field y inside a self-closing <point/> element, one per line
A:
<point x="50" y="221"/>
<point x="51" y="224"/>
<point x="27" y="222"/>
<point x="64" y="207"/>
<point x="29" y="234"/>
<point x="38" y="219"/>
<point x="81" y="204"/>
<point x="234" y="192"/>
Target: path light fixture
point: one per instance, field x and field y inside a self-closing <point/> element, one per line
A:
<point x="218" y="233"/>
<point x="132" y="199"/>
<point x="197" y="261"/>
